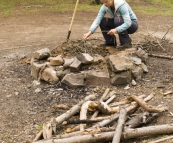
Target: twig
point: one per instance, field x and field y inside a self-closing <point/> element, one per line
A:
<point x="167" y="33"/>
<point x="160" y="45"/>
<point x="161" y="56"/>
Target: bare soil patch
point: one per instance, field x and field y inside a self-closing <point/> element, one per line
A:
<point x="25" y="106"/>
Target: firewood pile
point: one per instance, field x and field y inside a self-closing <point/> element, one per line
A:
<point x="104" y="119"/>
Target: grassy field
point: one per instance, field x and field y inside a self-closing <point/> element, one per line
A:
<point x="11" y="7"/>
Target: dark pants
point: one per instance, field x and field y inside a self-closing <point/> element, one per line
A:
<point x="110" y="23"/>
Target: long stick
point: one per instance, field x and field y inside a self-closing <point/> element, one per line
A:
<point x="74" y="13"/>
<point x="119" y="128"/>
<point x="107" y="136"/>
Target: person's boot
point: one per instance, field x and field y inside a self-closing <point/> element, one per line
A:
<point x="126" y="45"/>
<point x="105" y="45"/>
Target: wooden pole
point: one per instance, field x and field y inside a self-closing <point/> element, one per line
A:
<point x="74" y="13"/>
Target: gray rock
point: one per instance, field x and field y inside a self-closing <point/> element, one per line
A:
<point x="74" y="80"/>
<point x="137" y="72"/>
<point x="142" y="54"/>
<point x="121" y="78"/>
<point x="120" y="63"/>
<point x="41" y="54"/>
<point x="137" y="61"/>
<point x="75" y="66"/>
<point x="85" y="58"/>
<point x="56" y="61"/>
<point x="35" y="69"/>
<point x="49" y="75"/>
<point x="144" y="67"/>
<point x="95" y="78"/>
<point x="67" y="62"/>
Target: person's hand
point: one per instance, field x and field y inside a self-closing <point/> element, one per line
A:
<point x="113" y="32"/>
<point x="87" y="35"/>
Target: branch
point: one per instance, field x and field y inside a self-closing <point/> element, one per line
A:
<point x="148" y="107"/>
<point x="161" y="56"/>
<point x="119" y="128"/>
<point x="107" y="136"/>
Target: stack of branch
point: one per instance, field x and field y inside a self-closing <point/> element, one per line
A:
<point x="151" y="41"/>
<point x="102" y="125"/>
<point x="74" y="47"/>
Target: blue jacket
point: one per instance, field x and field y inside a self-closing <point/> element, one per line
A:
<point x="123" y="9"/>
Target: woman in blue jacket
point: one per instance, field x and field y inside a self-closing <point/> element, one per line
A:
<point x="122" y="21"/>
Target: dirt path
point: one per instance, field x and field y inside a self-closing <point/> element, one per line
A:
<point x="24" y="108"/>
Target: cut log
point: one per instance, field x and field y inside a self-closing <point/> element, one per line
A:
<point x="119" y="128"/>
<point x="102" y="99"/>
<point x="112" y="93"/>
<point x="110" y="99"/>
<point x="125" y="101"/>
<point x="75" y="109"/>
<point x="148" y="131"/>
<point x="148" y="107"/>
<point x="168" y="92"/>
<point x="107" y="136"/>
<point x="38" y="136"/>
<point x="99" y="130"/>
<point x="105" y="94"/>
<point x="105" y="109"/>
<point x="47" y="130"/>
<point x="61" y="106"/>
<point x="107" y="102"/>
<point x="83" y="112"/>
<point x="77" y="128"/>
<point x="87" y="121"/>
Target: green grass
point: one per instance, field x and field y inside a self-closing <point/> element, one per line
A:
<point x="167" y="2"/>
<point x="153" y="10"/>
<point x="6" y="7"/>
<point x="11" y="7"/>
<point x="40" y="127"/>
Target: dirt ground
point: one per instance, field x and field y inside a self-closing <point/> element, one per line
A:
<point x="25" y="107"/>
